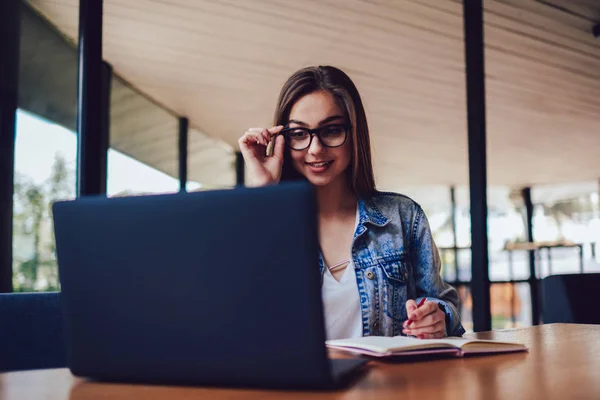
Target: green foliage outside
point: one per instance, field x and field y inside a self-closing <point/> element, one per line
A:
<point x="34" y="249"/>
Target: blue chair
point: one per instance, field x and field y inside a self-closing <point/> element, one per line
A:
<point x="31" y="332"/>
<point x="571" y="298"/>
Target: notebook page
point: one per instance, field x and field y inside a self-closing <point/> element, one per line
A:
<point x="397" y="343"/>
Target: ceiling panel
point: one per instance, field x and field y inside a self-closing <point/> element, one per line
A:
<point x="222" y="63"/>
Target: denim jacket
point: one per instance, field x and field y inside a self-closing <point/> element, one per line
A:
<point x="395" y="259"/>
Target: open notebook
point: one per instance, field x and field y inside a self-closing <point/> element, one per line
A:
<point x="381" y="346"/>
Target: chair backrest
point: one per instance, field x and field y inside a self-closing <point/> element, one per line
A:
<point x="571" y="298"/>
<point x="31" y="332"/>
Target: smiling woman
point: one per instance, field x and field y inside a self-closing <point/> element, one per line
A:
<point x="326" y="159"/>
<point x="378" y="257"/>
<point x="333" y="100"/>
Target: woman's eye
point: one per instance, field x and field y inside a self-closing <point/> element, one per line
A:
<point x="333" y="130"/>
<point x="297" y="133"/>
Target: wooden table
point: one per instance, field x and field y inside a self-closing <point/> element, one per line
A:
<point x="563" y="362"/>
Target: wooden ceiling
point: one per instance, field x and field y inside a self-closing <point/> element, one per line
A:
<point x="222" y="63"/>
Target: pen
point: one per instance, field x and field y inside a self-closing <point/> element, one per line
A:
<point x="418" y="305"/>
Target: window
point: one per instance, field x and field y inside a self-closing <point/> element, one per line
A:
<point x="45" y="148"/>
<point x="143" y="156"/>
<point x="45" y="159"/>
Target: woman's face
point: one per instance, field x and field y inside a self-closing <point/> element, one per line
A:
<point x="320" y="165"/>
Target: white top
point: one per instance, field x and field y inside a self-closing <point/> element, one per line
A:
<point x="341" y="304"/>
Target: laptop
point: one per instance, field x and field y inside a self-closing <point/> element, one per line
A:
<point x="217" y="288"/>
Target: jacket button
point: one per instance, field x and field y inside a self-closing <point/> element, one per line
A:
<point x="370" y="275"/>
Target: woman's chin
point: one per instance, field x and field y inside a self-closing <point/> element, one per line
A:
<point x="319" y="180"/>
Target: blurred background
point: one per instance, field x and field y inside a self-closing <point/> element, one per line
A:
<point x="220" y="64"/>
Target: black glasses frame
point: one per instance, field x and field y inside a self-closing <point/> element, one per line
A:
<point x="314" y="132"/>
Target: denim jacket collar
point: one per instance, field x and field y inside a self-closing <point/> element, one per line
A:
<point x="369" y="213"/>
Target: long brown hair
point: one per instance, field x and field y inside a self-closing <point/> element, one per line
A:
<point x="334" y="81"/>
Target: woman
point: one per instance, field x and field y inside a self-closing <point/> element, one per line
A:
<point x="378" y="258"/>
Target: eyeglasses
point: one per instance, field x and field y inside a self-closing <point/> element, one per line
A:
<point x="298" y="138"/>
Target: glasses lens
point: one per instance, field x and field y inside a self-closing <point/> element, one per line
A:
<point x="333" y="135"/>
<point x="297" y="138"/>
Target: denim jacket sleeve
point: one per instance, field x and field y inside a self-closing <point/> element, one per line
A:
<point x="428" y="277"/>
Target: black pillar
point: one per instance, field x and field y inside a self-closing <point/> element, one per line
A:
<point x="595" y="244"/>
<point x="92" y="100"/>
<point x="10" y="38"/>
<point x="453" y="220"/>
<point x="107" y="75"/>
<point x="533" y="281"/>
<point x="474" y="57"/>
<point x="239" y="169"/>
<point x="183" y="153"/>
<point x="455" y="240"/>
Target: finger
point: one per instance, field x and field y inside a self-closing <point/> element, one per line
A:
<point x="257" y="134"/>
<point x="437" y="335"/>
<point x="275" y="130"/>
<point x="265" y="137"/>
<point x="271" y="146"/>
<point x="250" y="148"/>
<point x="246" y="149"/>
<point x="428" y="320"/>
<point x="279" y="147"/>
<point x="411" y="305"/>
<point x="429" y="329"/>
<point x="426" y="309"/>
<point x="437" y="327"/>
<point x="269" y="134"/>
<point x="249" y="138"/>
<point x="259" y="138"/>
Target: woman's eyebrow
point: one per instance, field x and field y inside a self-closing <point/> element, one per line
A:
<point x="326" y="120"/>
<point x="332" y="118"/>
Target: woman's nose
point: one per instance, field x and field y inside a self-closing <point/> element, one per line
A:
<point x="316" y="147"/>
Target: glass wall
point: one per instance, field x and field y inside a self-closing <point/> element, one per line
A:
<point x="566" y="219"/>
<point x="143" y="156"/>
<point x="144" y="149"/>
<point x="45" y="149"/>
<point x="567" y="216"/>
<point x="541" y="128"/>
<point x="142" y="159"/>
<point x="510" y="302"/>
<point x="45" y="164"/>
